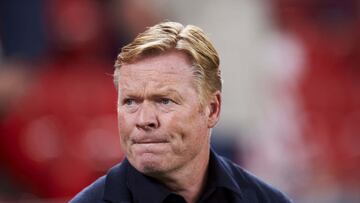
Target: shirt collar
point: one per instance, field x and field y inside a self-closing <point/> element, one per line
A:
<point x="115" y="187"/>
<point x="149" y="190"/>
<point x="221" y="174"/>
<point x="144" y="188"/>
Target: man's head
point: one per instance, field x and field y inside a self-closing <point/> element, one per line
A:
<point x="191" y="40"/>
<point x="169" y="99"/>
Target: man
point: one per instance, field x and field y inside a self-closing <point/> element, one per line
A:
<point x="169" y="98"/>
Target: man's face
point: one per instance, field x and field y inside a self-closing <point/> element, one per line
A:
<point x="161" y="124"/>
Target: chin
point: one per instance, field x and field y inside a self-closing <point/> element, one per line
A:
<point x="151" y="170"/>
<point x="148" y="165"/>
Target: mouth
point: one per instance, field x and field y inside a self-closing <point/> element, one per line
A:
<point x="152" y="146"/>
<point x="149" y="141"/>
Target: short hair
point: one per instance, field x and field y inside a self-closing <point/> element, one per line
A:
<point x="189" y="39"/>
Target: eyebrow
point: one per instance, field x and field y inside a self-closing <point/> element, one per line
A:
<point x="169" y="91"/>
<point x="158" y="93"/>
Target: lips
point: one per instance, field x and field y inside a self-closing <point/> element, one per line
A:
<point x="149" y="141"/>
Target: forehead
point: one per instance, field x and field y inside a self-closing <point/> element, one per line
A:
<point x="167" y="68"/>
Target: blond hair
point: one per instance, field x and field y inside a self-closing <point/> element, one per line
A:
<point x="190" y="39"/>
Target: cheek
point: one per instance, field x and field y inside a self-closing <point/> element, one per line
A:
<point x="187" y="127"/>
<point x="197" y="129"/>
<point x="124" y="125"/>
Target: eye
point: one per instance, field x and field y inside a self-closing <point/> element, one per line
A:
<point x="129" y="102"/>
<point x="165" y="101"/>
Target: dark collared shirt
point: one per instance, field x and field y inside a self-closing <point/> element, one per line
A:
<point x="219" y="187"/>
<point x="227" y="182"/>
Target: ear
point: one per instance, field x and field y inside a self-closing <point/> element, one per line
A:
<point x="214" y="106"/>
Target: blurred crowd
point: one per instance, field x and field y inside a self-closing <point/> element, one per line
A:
<point x="317" y="110"/>
<point x="58" y="127"/>
<point x="57" y="100"/>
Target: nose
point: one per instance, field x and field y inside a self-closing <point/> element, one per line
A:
<point x="147" y="117"/>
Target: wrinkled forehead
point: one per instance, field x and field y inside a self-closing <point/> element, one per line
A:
<point x="174" y="63"/>
<point x="159" y="71"/>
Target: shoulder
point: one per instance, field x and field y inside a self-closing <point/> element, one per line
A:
<point x="253" y="188"/>
<point x="92" y="193"/>
<point x="109" y="188"/>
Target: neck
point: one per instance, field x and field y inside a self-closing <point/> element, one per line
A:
<point x="189" y="182"/>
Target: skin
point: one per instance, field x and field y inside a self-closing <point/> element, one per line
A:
<point x="164" y="131"/>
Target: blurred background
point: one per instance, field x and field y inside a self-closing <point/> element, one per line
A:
<point x="291" y="99"/>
